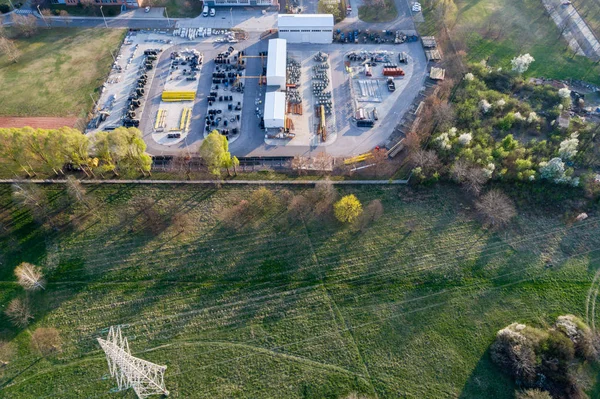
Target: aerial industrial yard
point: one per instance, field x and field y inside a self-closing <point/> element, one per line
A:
<point x="296" y="94"/>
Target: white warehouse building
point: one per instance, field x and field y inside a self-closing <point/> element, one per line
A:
<point x="276" y="63"/>
<point x="274" y="115"/>
<point x="306" y="28"/>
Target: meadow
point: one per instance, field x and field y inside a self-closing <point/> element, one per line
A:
<point x="285" y="308"/>
<point x="58" y="73"/>
<point x="496" y="31"/>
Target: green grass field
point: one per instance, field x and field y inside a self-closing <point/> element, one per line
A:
<point x="590" y="11"/>
<point x="281" y="309"/>
<point x="376" y="14"/>
<point x="57" y="72"/>
<point x="499" y="30"/>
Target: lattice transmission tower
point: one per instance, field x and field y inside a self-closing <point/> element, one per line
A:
<point x="130" y="372"/>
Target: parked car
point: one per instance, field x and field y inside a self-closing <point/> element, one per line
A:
<point x="213" y="12"/>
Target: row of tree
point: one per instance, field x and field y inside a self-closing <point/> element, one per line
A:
<point x="31" y="151"/>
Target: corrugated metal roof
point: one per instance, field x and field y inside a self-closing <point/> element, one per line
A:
<point x="304" y="20"/>
<point x="275" y="106"/>
<point x="277" y="57"/>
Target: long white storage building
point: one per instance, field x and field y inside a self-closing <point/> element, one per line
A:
<point x="274" y="109"/>
<point x="306" y="28"/>
<point x="276" y="63"/>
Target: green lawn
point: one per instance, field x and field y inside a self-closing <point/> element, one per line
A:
<point x="499" y="30"/>
<point x="178" y="8"/>
<point x="58" y="71"/>
<point x="376" y="14"/>
<point x="590" y="11"/>
<point x="280" y="309"/>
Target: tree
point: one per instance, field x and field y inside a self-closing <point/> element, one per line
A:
<point x="76" y="191"/>
<point x="10" y="49"/>
<point x="32" y="197"/>
<point x="322" y="197"/>
<point x="65" y="17"/>
<point x="262" y="200"/>
<point x="495" y="209"/>
<point x="521" y="63"/>
<point x="14" y="154"/>
<point x="30" y="276"/>
<point x="46" y="341"/>
<point x="7" y="351"/>
<point x="215" y="152"/>
<point x="47" y="13"/>
<point x="299" y="207"/>
<point x="18" y="312"/>
<point x="181" y="222"/>
<point x="347" y="209"/>
<point x="25" y="25"/>
<point x="372" y="212"/>
<point x="86" y="3"/>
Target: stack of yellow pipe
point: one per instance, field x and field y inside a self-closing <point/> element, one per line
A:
<point x="171" y="96"/>
<point x="186" y="119"/>
<point x="160" y="118"/>
<point x="357" y="158"/>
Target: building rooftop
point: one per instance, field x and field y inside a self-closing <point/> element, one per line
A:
<point x="300" y="20"/>
<point x="277" y="58"/>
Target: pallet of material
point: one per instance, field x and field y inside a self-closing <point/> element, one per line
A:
<point x="393" y="71"/>
<point x="437" y="73"/>
<point x="429" y="41"/>
<point x="186" y="118"/>
<point x="160" y="119"/>
<point x="433" y="55"/>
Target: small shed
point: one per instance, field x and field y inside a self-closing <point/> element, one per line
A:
<point x="274" y="115"/>
<point x="276" y="63"/>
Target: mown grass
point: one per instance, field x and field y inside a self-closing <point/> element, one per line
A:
<point x="58" y="72"/>
<point x="499" y="30"/>
<point x="378" y="14"/>
<point x="590" y="11"/>
<point x="284" y="309"/>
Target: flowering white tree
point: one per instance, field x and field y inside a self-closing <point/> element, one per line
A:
<point x="443" y="141"/>
<point x="521" y="63"/>
<point x="465" y="138"/>
<point x="564" y="93"/>
<point x="568" y="147"/>
<point x="518" y="116"/>
<point x="533" y="117"/>
<point x="500" y="103"/>
<point x="485" y="106"/>
<point x="469" y="76"/>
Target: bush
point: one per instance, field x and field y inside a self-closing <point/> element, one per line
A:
<point x="262" y="200"/>
<point x="514" y="353"/>
<point x="4" y="8"/>
<point x="533" y="394"/>
<point x="46" y="341"/>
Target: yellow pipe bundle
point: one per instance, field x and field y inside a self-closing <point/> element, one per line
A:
<point x="171" y="96"/>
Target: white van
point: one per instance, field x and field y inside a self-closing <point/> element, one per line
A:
<point x="205" y="11"/>
<point x="213" y="12"/>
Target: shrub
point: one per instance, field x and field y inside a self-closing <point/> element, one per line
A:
<point x="495" y="209"/>
<point x="4" y="8"/>
<point x="262" y="201"/>
<point x="46" y="341"/>
<point x="348" y="209"/>
<point x="514" y="353"/>
<point x="533" y="394"/>
<point x="18" y="312"/>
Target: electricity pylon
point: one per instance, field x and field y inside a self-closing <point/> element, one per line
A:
<point x="130" y="372"/>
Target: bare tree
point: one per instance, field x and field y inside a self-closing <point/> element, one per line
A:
<point x="76" y="191"/>
<point x="10" y="49"/>
<point x="7" y="351"/>
<point x="29" y="276"/>
<point x="475" y="180"/>
<point x="459" y="170"/>
<point x="32" y="197"/>
<point x="47" y="13"/>
<point x="25" y="25"/>
<point x="18" y="312"/>
<point x="46" y="341"/>
<point x="299" y="207"/>
<point x="495" y="209"/>
<point x="153" y="220"/>
<point x="372" y="212"/>
<point x="86" y="3"/>
<point x="181" y="222"/>
<point x="65" y="17"/>
<point x="426" y="160"/>
<point x="322" y="197"/>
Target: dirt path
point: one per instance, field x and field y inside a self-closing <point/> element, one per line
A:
<point x="36" y="122"/>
